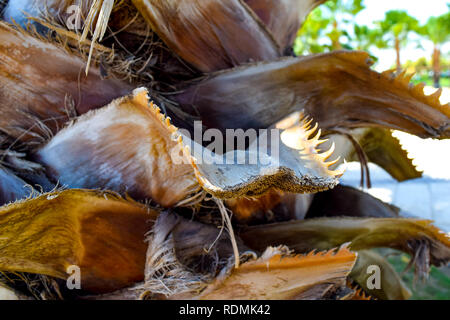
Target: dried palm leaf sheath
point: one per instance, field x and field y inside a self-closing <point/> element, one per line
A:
<point x="392" y="287"/>
<point x="379" y="146"/>
<point x="204" y="32"/>
<point x="279" y="276"/>
<point x="301" y="170"/>
<point x="41" y="84"/>
<point x="385" y="150"/>
<point x="12" y="188"/>
<point x="426" y="243"/>
<point x="350" y="202"/>
<point x="338" y="90"/>
<point x="283" y="17"/>
<point x="125" y="147"/>
<point x="97" y="231"/>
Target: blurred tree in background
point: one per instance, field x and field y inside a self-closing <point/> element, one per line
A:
<point x="437" y="30"/>
<point x="333" y="27"/>
<point x="329" y="24"/>
<point x="396" y="28"/>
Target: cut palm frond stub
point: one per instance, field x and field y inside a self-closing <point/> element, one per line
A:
<point x="337" y="89"/>
<point x="280" y="275"/>
<point x="159" y="165"/>
<point x="99" y="232"/>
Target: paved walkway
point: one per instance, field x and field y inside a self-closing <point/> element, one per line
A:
<point x="426" y="197"/>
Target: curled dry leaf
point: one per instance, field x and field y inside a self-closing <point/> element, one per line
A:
<point x="381" y="148"/>
<point x="204" y="32"/>
<point x="391" y="286"/>
<point x="42" y="85"/>
<point x="426" y="243"/>
<point x="283" y="17"/>
<point x="385" y="150"/>
<point x="349" y="202"/>
<point x="99" y="232"/>
<point x="337" y="89"/>
<point x="125" y="147"/>
<point x="277" y="275"/>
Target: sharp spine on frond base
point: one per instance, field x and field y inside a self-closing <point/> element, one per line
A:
<point x="418" y="90"/>
<point x="326" y="154"/>
<point x="314" y="155"/>
<point x="408" y="78"/>
<point x="278" y="274"/>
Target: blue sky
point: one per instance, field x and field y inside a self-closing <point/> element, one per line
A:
<point x="420" y="9"/>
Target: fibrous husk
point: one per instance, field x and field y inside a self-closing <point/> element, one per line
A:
<point x="350" y="202"/>
<point x="42" y="86"/>
<point x="337" y="89"/>
<point x="165" y="273"/>
<point x="283" y="17"/>
<point x="204" y="32"/>
<point x="391" y="286"/>
<point x="379" y="147"/>
<point x="424" y="242"/>
<point x="385" y="150"/>
<point x="99" y="232"/>
<point x="279" y="275"/>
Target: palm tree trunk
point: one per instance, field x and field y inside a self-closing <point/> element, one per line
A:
<point x="436" y="66"/>
<point x="336" y="44"/>
<point x="397" y="51"/>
